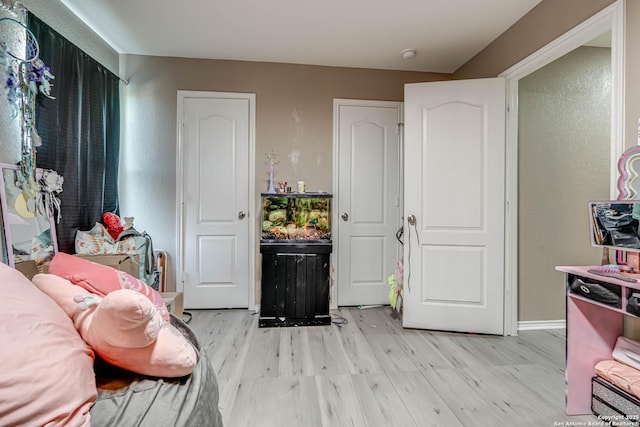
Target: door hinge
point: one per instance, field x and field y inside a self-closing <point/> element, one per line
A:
<point x="399" y="128"/>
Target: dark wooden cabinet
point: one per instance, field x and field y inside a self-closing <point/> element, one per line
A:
<point x="295" y="284"/>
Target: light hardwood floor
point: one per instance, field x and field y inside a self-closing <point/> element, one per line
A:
<point x="372" y="372"/>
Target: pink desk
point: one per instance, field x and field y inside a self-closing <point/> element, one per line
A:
<point x="592" y="330"/>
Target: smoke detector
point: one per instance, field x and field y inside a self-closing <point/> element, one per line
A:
<point x="408" y="53"/>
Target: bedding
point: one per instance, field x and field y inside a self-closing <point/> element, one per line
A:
<point x="129" y="399"/>
<point x="51" y="377"/>
<point x="46" y="375"/>
<point x="101" y="279"/>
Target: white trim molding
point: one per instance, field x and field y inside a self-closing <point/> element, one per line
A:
<point x="611" y="19"/>
<point x="535" y="325"/>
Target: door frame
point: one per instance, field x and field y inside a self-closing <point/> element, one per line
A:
<point x="611" y="18"/>
<point x="335" y="217"/>
<point x="252" y="216"/>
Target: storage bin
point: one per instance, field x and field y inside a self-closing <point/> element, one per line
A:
<point x="612" y="404"/>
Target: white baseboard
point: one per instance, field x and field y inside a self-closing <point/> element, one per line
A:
<point x="529" y="325"/>
<point x="532" y="325"/>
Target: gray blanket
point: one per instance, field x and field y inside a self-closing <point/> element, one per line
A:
<point x="126" y="399"/>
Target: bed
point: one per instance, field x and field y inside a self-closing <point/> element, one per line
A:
<point x="51" y="376"/>
<point x="127" y="399"/>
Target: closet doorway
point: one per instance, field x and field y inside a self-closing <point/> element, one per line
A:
<point x="367" y="199"/>
<point x="215" y="204"/>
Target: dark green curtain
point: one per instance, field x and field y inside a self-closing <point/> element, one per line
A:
<point x="80" y="132"/>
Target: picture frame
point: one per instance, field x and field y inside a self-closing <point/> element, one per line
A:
<point x="29" y="232"/>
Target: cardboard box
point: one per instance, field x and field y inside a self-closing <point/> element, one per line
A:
<point x="28" y="268"/>
<point x="123" y="262"/>
<point x="174" y="302"/>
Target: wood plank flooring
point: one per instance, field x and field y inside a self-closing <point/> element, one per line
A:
<point x="372" y="372"/>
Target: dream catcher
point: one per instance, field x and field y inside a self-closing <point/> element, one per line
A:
<point x="26" y="77"/>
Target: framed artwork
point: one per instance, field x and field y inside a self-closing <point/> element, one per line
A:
<point x="29" y="227"/>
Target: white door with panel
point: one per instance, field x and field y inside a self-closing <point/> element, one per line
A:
<point x="454" y="205"/>
<point x="216" y="137"/>
<point x="368" y="198"/>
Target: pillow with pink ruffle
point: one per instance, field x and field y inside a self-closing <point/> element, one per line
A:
<point x="100" y="279"/>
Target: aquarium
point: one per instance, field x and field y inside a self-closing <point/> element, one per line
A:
<point x="296" y="217"/>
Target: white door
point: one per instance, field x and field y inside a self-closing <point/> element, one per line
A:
<point x="368" y="199"/>
<point x="454" y="189"/>
<point x="216" y="142"/>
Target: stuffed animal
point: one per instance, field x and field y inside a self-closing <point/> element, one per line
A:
<point x="124" y="328"/>
<point x="128" y="222"/>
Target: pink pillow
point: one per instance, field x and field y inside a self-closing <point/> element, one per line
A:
<point x="624" y="376"/>
<point x="124" y="328"/>
<point x="46" y="374"/>
<point x="101" y="279"/>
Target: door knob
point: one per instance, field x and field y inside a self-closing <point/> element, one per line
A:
<point x="242" y="214"/>
<point x="345" y="216"/>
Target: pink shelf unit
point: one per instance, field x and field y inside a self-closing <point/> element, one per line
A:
<point x="592" y="331"/>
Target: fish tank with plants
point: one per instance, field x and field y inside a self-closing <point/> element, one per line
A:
<point x="299" y="217"/>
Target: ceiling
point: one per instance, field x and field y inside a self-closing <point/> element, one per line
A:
<point x="351" y="33"/>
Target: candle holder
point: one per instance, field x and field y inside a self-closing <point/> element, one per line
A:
<point x="272" y="162"/>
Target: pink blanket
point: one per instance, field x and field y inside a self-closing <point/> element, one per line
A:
<point x="624" y="376"/>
